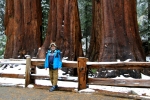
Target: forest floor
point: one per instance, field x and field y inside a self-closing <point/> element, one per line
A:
<point x="16" y="93"/>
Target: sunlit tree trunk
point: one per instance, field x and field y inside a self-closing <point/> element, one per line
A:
<point x="115" y="32"/>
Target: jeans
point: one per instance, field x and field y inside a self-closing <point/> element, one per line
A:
<point x="53" y="76"/>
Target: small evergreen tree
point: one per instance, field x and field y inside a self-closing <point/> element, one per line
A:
<point x="45" y="11"/>
<point x="142" y="14"/>
<point x="2" y="36"/>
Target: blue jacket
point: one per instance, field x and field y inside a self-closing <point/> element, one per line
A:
<point x="57" y="62"/>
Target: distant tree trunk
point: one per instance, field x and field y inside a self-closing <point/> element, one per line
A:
<point x="64" y="29"/>
<point x="115" y="31"/>
<point x="22" y="27"/>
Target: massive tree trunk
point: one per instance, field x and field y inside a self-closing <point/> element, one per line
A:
<point x="115" y="31"/>
<point x="33" y="24"/>
<point x="64" y="29"/>
<point x="22" y="27"/>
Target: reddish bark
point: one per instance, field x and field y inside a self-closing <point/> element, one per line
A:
<point x="18" y="27"/>
<point x="115" y="35"/>
<point x="115" y="31"/>
<point x="9" y="30"/>
<point x="22" y="24"/>
<point x="32" y="22"/>
<point x="64" y="29"/>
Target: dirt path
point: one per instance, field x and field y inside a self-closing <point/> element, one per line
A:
<point x="15" y="93"/>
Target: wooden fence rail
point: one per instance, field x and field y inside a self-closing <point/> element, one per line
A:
<point x="82" y="66"/>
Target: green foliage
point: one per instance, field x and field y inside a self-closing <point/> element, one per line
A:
<point x="142" y="15"/>
<point x="2" y="36"/>
<point x="45" y="12"/>
<point x="94" y="71"/>
<point x="85" y="14"/>
<point x="2" y="45"/>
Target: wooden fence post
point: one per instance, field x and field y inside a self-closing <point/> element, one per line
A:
<point x="27" y="73"/>
<point x="82" y="73"/>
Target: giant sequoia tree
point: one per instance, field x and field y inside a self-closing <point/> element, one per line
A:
<point x="64" y="29"/>
<point x="23" y="20"/>
<point x="23" y="23"/>
<point x="115" y="32"/>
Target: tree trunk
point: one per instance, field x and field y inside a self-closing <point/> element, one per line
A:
<point x="115" y="32"/>
<point x="9" y="30"/>
<point x="64" y="29"/>
<point x="18" y="27"/>
<point x="33" y="24"/>
<point x="22" y="28"/>
<point x="93" y="53"/>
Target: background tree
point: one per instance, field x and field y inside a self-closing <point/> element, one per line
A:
<point x="115" y="32"/>
<point x="45" y="11"/>
<point x="142" y="15"/>
<point x="84" y="13"/>
<point x="33" y="24"/>
<point x="64" y="29"/>
<point x="2" y="36"/>
<point x="22" y="27"/>
<point x="85" y="10"/>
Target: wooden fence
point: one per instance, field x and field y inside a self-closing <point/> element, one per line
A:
<point x="82" y="66"/>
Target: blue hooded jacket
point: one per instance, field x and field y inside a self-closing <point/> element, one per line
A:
<point x="57" y="62"/>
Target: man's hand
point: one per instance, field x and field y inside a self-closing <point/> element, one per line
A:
<point x="45" y="68"/>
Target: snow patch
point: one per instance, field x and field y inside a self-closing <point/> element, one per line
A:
<point x="88" y="90"/>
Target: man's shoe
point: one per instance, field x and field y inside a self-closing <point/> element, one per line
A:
<point x="56" y="86"/>
<point x="52" y="89"/>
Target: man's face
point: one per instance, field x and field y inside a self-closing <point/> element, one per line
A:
<point x="53" y="47"/>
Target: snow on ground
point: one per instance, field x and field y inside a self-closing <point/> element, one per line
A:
<point x="21" y="70"/>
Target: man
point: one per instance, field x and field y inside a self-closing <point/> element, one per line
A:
<point x="53" y="62"/>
